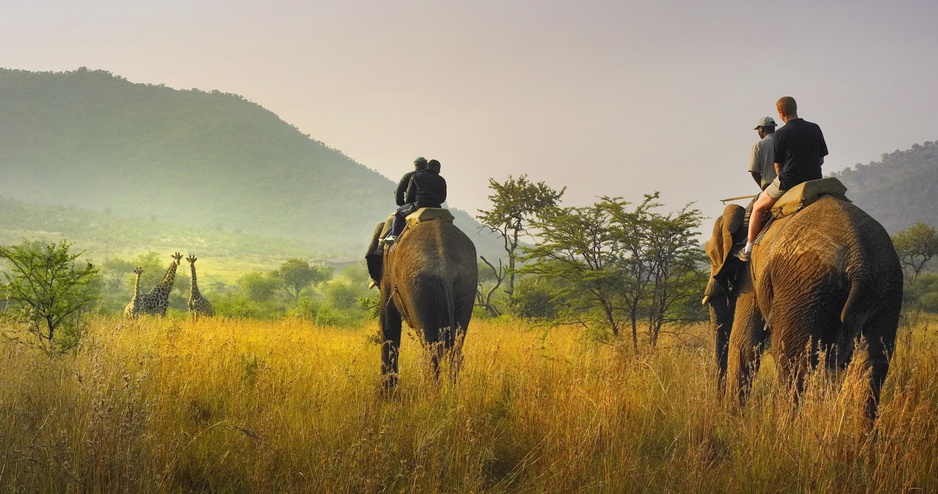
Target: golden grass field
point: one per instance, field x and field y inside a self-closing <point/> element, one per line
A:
<point x="243" y="406"/>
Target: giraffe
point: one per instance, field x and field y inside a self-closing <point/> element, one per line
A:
<point x="198" y="305"/>
<point x="157" y="301"/>
<point x="134" y="306"/>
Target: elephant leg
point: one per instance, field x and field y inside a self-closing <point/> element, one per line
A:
<point x="445" y="348"/>
<point x="880" y="341"/>
<point x="793" y="361"/>
<point x="745" y="347"/>
<point x="457" y="350"/>
<point x="803" y="334"/>
<point x="432" y="342"/>
<point x="452" y="340"/>
<point x="391" y="337"/>
<point x="878" y="354"/>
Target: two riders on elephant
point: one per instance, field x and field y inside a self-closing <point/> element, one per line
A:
<point x="820" y="278"/>
<point x="426" y="273"/>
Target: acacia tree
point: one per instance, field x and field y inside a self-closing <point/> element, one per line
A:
<point x="578" y="248"/>
<point x="673" y="262"/>
<point x="47" y="286"/>
<point x="915" y="247"/>
<point x="630" y="230"/>
<point x="626" y="263"/>
<point x="515" y="204"/>
<point x="296" y="274"/>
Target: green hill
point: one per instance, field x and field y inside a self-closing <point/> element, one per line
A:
<point x="91" y="140"/>
<point x="897" y="189"/>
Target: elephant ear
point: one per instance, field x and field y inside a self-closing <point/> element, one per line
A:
<point x="374" y="256"/>
<point x="726" y="232"/>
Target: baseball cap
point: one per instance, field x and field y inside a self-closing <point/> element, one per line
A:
<point x="765" y="122"/>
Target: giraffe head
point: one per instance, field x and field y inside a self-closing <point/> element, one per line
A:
<point x="177" y="256"/>
<point x="138" y="271"/>
<point x="191" y="259"/>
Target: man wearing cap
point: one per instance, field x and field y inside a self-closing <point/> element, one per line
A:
<point x="420" y="163"/>
<point x="762" y="157"/>
<point x="799" y="149"/>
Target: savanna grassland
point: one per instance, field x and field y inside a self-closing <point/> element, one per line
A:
<point x="223" y="405"/>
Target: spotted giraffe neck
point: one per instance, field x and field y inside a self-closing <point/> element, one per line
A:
<point x="195" y="285"/>
<point x="137" y="272"/>
<point x="166" y="285"/>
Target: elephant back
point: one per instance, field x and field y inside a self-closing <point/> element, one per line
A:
<point x="831" y="243"/>
<point x="431" y="272"/>
<point x="427" y="214"/>
<point x="430" y="243"/>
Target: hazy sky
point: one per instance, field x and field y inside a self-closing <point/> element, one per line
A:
<point x="616" y="98"/>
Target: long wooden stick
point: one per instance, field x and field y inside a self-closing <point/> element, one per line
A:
<point x="724" y="201"/>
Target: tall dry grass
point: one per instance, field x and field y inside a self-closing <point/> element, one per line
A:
<point x="240" y="406"/>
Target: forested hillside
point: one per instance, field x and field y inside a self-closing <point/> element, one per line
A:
<point x="95" y="141"/>
<point x="899" y="189"/>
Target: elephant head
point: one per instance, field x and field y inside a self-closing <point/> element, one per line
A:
<point x="820" y="279"/>
<point x="720" y="294"/>
<point x="428" y="279"/>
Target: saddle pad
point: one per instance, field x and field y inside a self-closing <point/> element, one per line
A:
<point x="426" y="214"/>
<point x="799" y="196"/>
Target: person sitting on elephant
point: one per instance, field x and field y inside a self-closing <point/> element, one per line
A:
<point x="799" y="149"/>
<point x="761" y="160"/>
<point x="427" y="189"/>
<point x="762" y="156"/>
<point x="420" y="164"/>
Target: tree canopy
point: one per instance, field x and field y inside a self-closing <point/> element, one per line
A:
<point x="619" y="263"/>
<point x="47" y="286"/>
<point x="915" y="246"/>
<point x="515" y="204"/>
<point x="296" y="274"/>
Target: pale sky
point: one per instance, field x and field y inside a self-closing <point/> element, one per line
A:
<point x="617" y="98"/>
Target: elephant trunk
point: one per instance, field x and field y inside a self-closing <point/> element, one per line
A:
<point x="722" y="308"/>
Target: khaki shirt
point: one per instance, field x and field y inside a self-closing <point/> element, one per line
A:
<point x="762" y="160"/>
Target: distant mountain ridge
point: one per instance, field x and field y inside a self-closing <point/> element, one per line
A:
<point x="898" y="189"/>
<point x="93" y="140"/>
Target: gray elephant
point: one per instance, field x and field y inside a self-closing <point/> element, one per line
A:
<point x="428" y="278"/>
<point x="819" y="279"/>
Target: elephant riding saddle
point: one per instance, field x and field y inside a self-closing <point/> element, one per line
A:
<point x="427" y="214"/>
<point x="805" y="193"/>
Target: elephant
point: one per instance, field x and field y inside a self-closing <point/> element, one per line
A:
<point x="427" y="278"/>
<point x="818" y="280"/>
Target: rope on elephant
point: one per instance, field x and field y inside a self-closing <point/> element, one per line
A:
<point x="391" y="296"/>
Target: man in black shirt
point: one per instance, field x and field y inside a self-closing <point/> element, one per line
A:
<point x="799" y="153"/>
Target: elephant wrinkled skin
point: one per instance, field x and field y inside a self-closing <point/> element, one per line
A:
<point x="428" y="279"/>
<point x="822" y="279"/>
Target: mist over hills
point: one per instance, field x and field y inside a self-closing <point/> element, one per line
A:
<point x="93" y="140"/>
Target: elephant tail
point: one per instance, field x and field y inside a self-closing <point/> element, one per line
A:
<point x="856" y="310"/>
<point x="449" y="293"/>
